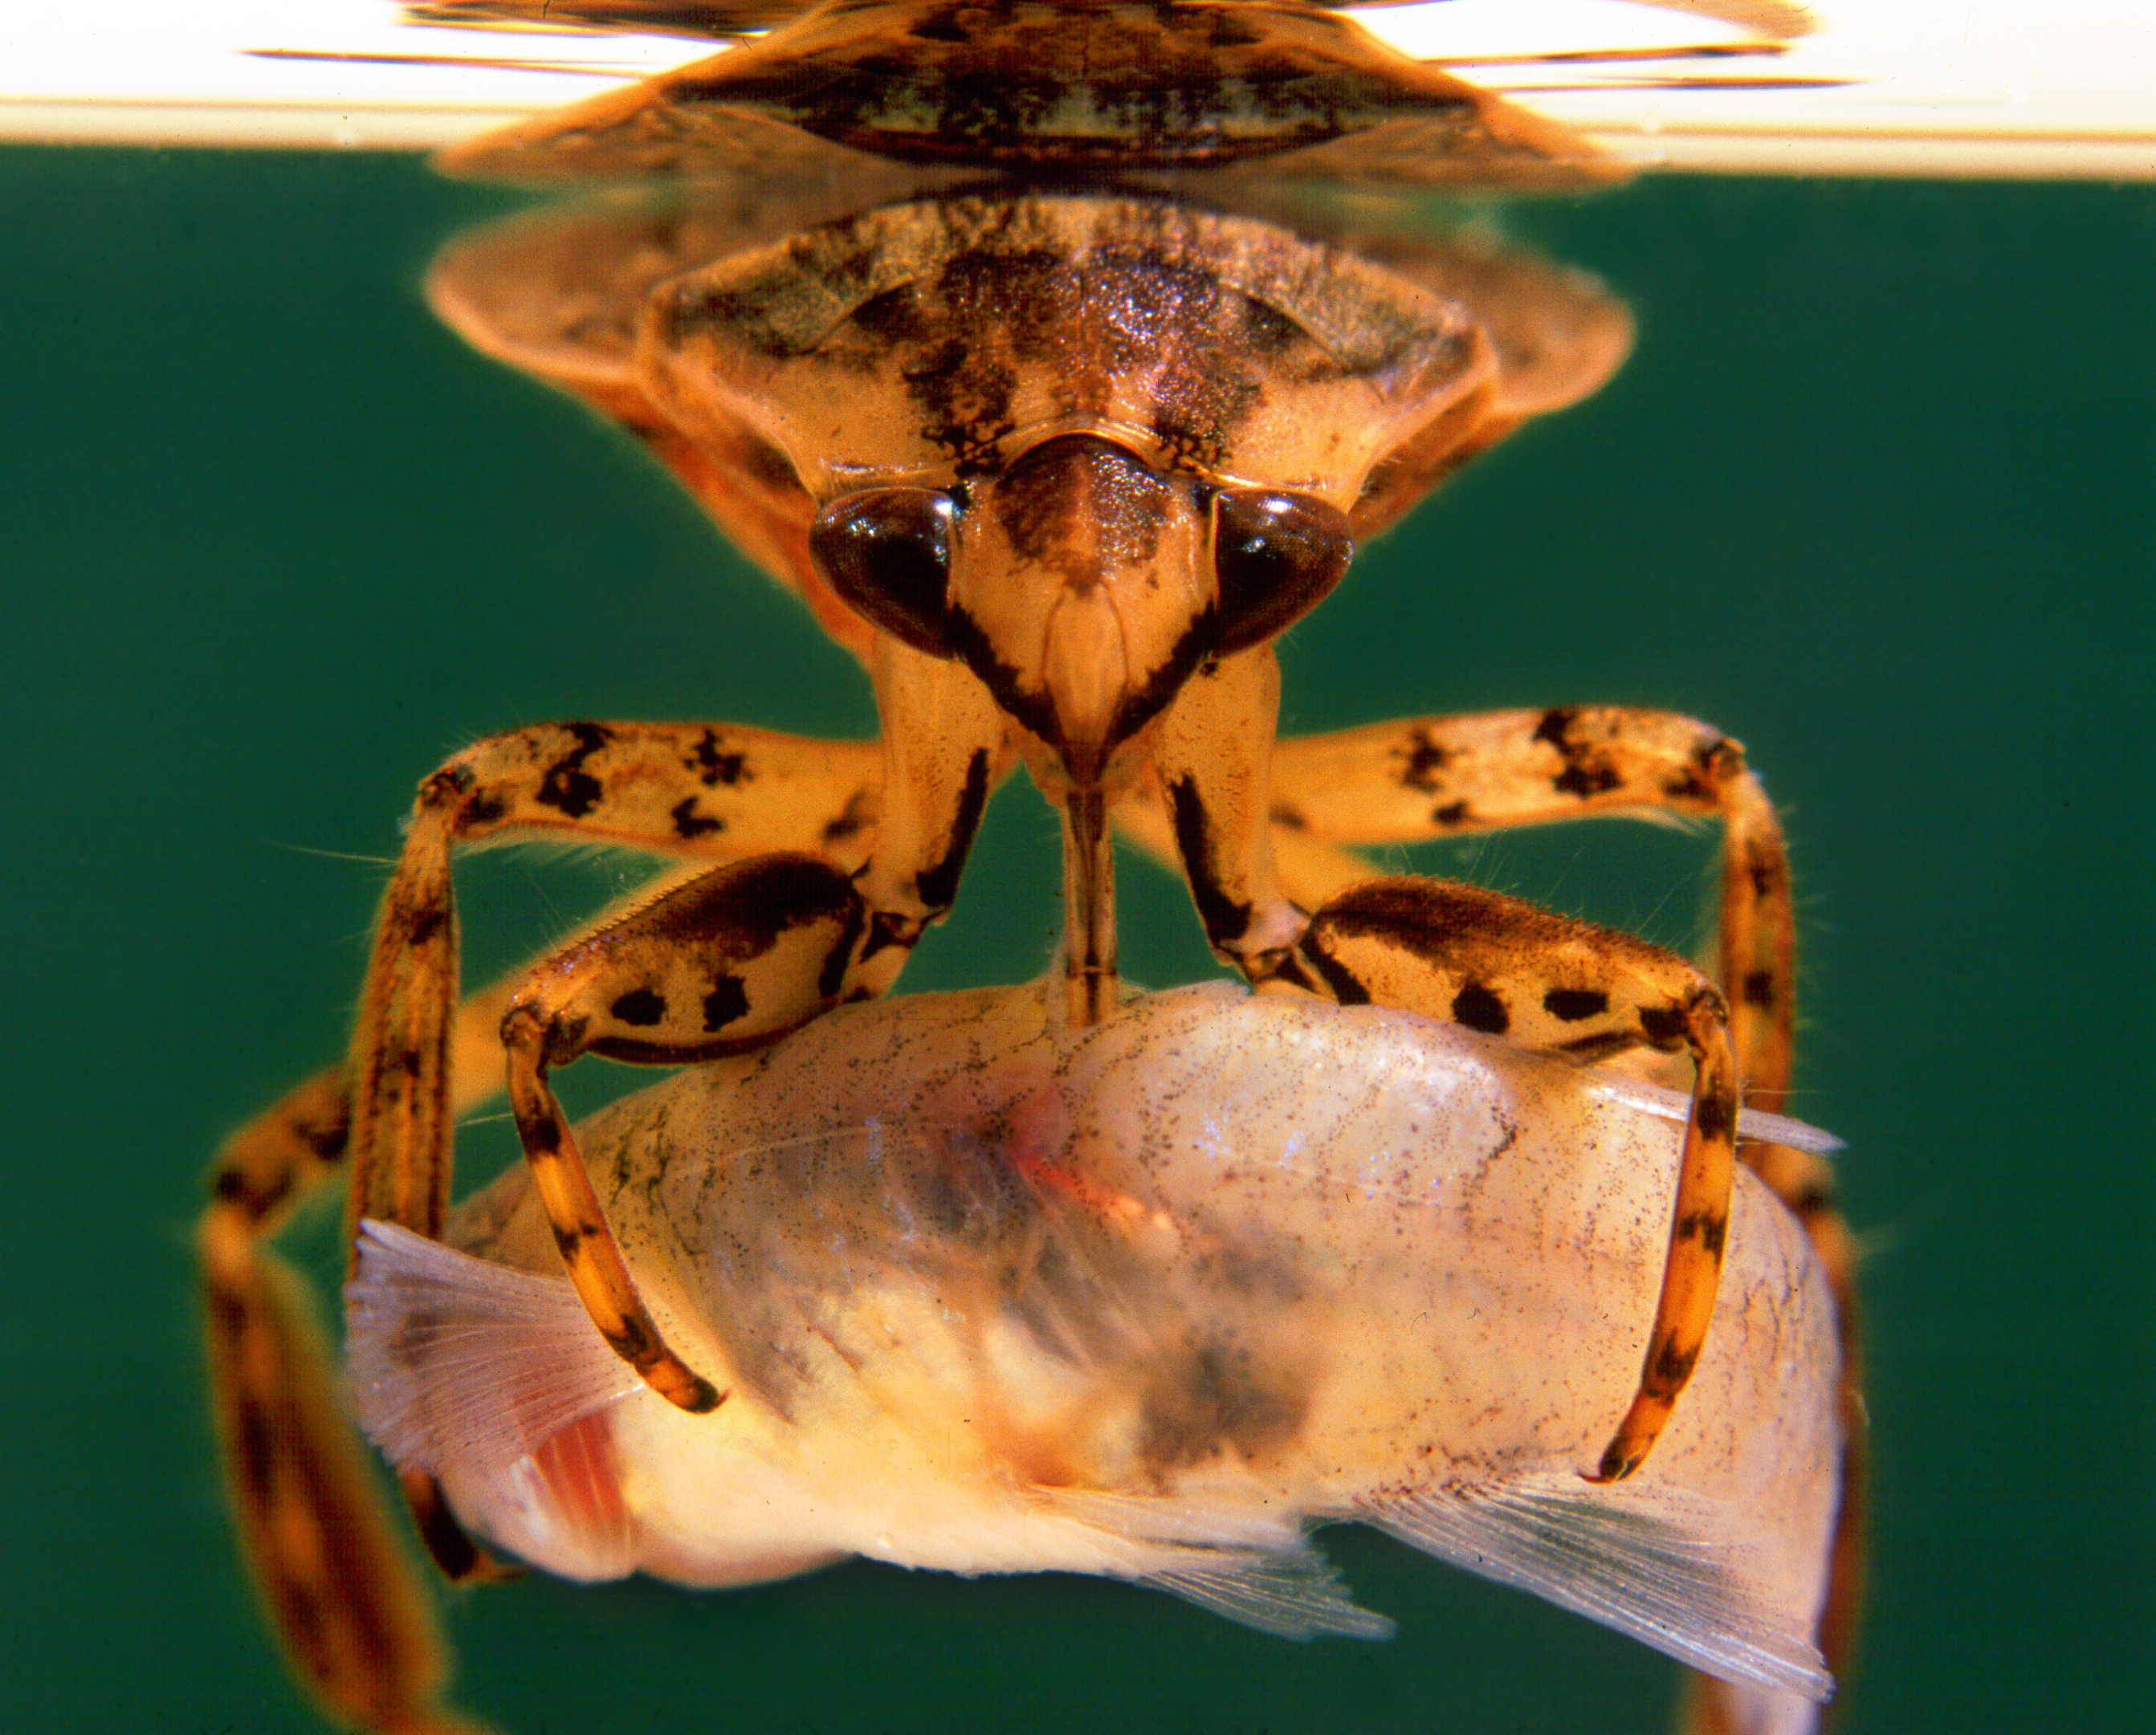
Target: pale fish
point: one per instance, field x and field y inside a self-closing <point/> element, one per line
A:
<point x="1146" y="1299"/>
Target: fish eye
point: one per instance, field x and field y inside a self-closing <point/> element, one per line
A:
<point x="1276" y="556"/>
<point x="887" y="553"/>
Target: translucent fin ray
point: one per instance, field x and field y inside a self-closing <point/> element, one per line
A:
<point x="458" y="1361"/>
<point x="1672" y="1570"/>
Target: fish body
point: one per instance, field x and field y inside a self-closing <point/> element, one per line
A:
<point x="1146" y="1299"/>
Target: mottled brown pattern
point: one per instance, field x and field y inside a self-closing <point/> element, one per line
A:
<point x="1282" y="89"/>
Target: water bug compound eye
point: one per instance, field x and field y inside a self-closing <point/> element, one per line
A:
<point x="887" y="553"/>
<point x="1276" y="555"/>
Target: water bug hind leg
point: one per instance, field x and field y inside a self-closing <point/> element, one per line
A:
<point x="1509" y="969"/>
<point x="340" y="1591"/>
<point x="732" y="960"/>
<point x="334" y="1578"/>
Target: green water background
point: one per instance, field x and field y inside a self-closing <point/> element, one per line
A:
<point x="1874" y="494"/>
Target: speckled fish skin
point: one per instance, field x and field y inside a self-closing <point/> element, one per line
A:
<point x="1142" y="1299"/>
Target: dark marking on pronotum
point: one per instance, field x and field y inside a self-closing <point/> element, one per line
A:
<point x="1451" y="814"/>
<point x="1479" y="1007"/>
<point x="1569" y="1005"/>
<point x="1267" y="331"/>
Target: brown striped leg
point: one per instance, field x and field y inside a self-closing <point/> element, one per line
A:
<point x="1442" y="777"/>
<point x="1438" y="776"/>
<point x="945" y="753"/>
<point x="351" y="1615"/>
<point x="338" y="1589"/>
<point x="681" y="788"/>
<point x="1509" y="968"/>
<point x="1494" y="963"/>
<point x="1804" y="1181"/>
<point x="1208" y="784"/>
<point x="728" y="961"/>
<point x="691" y="790"/>
<point x="702" y="792"/>
<point x="1325" y="796"/>
<point x="669" y="787"/>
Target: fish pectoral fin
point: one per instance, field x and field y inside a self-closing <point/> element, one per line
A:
<point x="1677" y="1571"/>
<point x="1233" y="1556"/>
<point x="495" y="1382"/>
<point x="1298" y="1594"/>
<point x="458" y="1362"/>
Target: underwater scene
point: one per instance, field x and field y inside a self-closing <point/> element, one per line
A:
<point x="1871" y="493"/>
